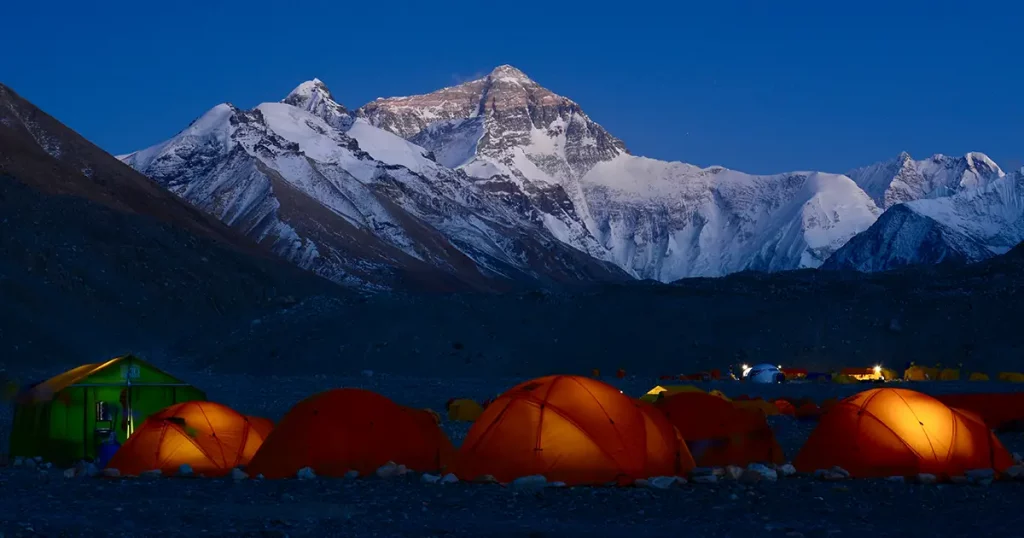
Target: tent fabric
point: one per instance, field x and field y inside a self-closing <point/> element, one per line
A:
<point x="464" y="410"/>
<point x="807" y="411"/>
<point x="915" y="373"/>
<point x="718" y="433"/>
<point x="899" y="432"/>
<point x="570" y="429"/>
<point x="1000" y="410"/>
<point x="1011" y="377"/>
<point x="263" y="426"/>
<point x="209" y="437"/>
<point x="664" y="391"/>
<point x="667" y="454"/>
<point x="57" y="418"/>
<point x="759" y="405"/>
<point x="949" y="374"/>
<point x="785" y="407"/>
<point x="978" y="376"/>
<point x="340" y="430"/>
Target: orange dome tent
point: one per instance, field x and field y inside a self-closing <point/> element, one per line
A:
<point x="808" y="411"/>
<point x="999" y="410"/>
<point x="887" y="432"/>
<point x="667" y="454"/>
<point x="209" y="437"/>
<point x="263" y="426"/>
<point x="340" y="430"/>
<point x="718" y="433"/>
<point x="785" y="407"/>
<point x="570" y="429"/>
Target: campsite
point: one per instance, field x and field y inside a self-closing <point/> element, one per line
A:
<point x="333" y="502"/>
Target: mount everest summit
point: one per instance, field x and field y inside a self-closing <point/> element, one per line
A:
<point x="498" y="182"/>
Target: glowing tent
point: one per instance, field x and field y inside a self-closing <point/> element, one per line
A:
<point x="570" y="429"/>
<point x="886" y="432"/>
<point x="209" y="437"/>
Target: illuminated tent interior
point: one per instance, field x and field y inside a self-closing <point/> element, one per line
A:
<point x="570" y="429"/>
<point x="211" y="438"/>
<point x="899" y="432"/>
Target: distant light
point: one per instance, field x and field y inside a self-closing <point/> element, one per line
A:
<point x="780" y="367"/>
<point x="745" y="367"/>
<point x="878" y="369"/>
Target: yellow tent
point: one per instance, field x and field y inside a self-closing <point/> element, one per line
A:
<point x="931" y="373"/>
<point x="720" y="394"/>
<point x="949" y="374"/>
<point x="1011" y="377"/>
<point x="978" y="376"/>
<point x="764" y="406"/>
<point x="915" y="373"/>
<point x="889" y="374"/>
<point x="464" y="409"/>
<point x="843" y="379"/>
<point x="660" y="391"/>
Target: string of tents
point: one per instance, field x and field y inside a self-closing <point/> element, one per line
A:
<point x="572" y="430"/>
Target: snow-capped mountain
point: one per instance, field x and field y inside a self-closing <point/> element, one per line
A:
<point x="500" y="180"/>
<point x="903" y="179"/>
<point x="655" y="219"/>
<point x="355" y="203"/>
<point x="971" y="225"/>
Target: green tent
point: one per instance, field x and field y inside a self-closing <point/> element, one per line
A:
<point x="58" y="419"/>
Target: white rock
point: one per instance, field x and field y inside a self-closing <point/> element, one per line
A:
<point x="899" y="479"/>
<point x="260" y="477"/>
<point x="152" y="473"/>
<point x="18" y="462"/>
<point x="238" y="474"/>
<point x="1017" y="458"/>
<point x="450" y="479"/>
<point x="305" y="473"/>
<point x="1015" y="473"/>
<point x="926" y="478"/>
<point x="30" y="463"/>
<point x="390" y="470"/>
<point x="429" y="478"/>
<point x="787" y="470"/>
<point x="38" y="459"/>
<point x="111" y="472"/>
<point x="352" y="474"/>
<point x="662" y="482"/>
<point x="527" y="482"/>
<point x="185" y="470"/>
<point x="642" y="483"/>
<point x="766" y="472"/>
<point x="733" y="472"/>
<point x="69" y="473"/>
<point x="704" y="479"/>
<point x="45" y="465"/>
<point x="88" y="469"/>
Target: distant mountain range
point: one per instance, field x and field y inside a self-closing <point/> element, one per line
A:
<point x="498" y="183"/>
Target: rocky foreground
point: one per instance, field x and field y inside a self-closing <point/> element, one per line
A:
<point x="43" y="502"/>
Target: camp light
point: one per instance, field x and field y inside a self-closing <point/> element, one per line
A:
<point x="746" y="369"/>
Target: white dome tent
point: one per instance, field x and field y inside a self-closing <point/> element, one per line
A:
<point x="763" y="373"/>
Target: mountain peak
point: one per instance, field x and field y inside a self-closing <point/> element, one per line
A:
<point x="314" y="97"/>
<point x="509" y="73"/>
<point x="308" y="89"/>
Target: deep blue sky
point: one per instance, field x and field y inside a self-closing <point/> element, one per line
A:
<point x="741" y="84"/>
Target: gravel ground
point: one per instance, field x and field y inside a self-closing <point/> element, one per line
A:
<point x="44" y="503"/>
